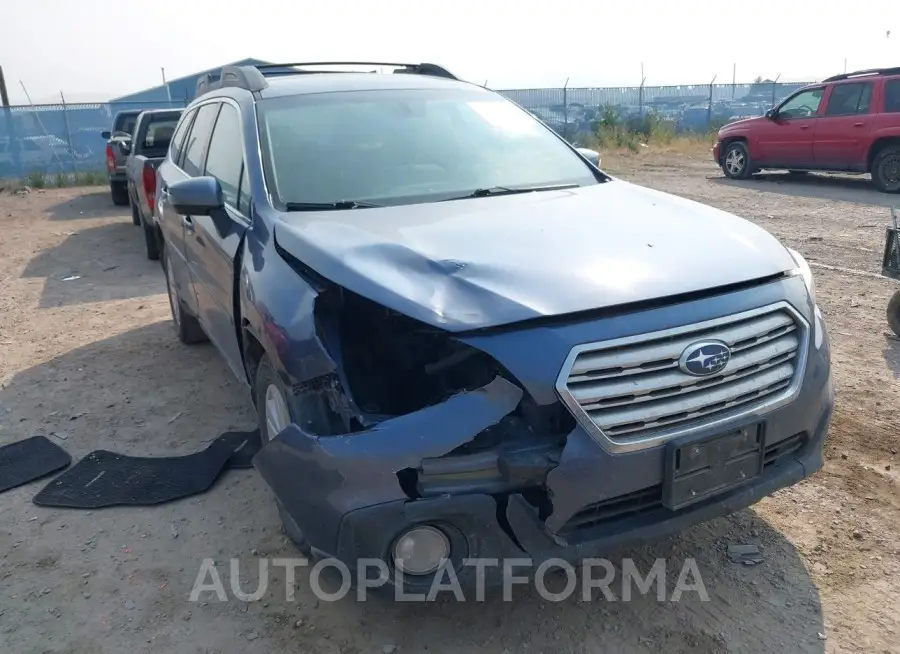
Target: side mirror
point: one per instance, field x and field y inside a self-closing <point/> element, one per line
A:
<point x="591" y="155"/>
<point x="198" y="196"/>
<point x="105" y="134"/>
<point x="771" y="114"/>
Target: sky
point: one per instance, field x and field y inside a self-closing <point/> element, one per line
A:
<point x="92" y="50"/>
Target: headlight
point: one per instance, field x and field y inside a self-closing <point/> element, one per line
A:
<point x="804" y="271"/>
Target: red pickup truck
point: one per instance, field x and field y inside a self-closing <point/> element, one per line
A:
<point x="847" y="123"/>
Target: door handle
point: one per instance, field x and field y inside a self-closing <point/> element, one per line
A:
<point x="804" y="126"/>
<point x="859" y="124"/>
<point x="188" y="223"/>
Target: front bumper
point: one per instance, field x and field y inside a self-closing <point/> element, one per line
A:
<point x="348" y="494"/>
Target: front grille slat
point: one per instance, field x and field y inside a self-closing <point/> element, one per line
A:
<point x="618" y="391"/>
<point x="693" y="402"/>
<point x="632" y="390"/>
<point x="666" y="351"/>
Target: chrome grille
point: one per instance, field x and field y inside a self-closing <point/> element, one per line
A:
<point x="631" y="394"/>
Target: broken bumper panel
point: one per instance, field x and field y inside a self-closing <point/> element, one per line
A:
<point x="321" y="479"/>
<point x="491" y="530"/>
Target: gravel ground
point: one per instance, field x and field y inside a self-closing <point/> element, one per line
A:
<point x="92" y="362"/>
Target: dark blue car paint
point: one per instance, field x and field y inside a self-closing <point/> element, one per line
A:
<point x="344" y="491"/>
<point x="360" y="470"/>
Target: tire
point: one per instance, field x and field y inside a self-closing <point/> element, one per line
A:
<point x="886" y="169"/>
<point x="151" y="242"/>
<point x="135" y="215"/>
<point x="893" y="313"/>
<point x="187" y="327"/>
<point x="119" y="193"/>
<point x="267" y="378"/>
<point x="742" y="167"/>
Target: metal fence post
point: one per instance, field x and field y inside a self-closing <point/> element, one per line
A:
<point x="710" y="105"/>
<point x="68" y="132"/>
<point x="641" y="98"/>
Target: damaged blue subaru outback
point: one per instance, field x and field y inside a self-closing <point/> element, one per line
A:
<point x="463" y="339"/>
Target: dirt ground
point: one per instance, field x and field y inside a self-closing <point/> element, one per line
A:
<point x="88" y="357"/>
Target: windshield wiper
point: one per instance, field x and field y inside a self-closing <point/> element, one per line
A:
<point x="503" y="190"/>
<point x="326" y="206"/>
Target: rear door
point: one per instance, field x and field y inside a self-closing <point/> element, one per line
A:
<point x="212" y="242"/>
<point x="186" y="162"/>
<point x="841" y="133"/>
<point x="787" y="140"/>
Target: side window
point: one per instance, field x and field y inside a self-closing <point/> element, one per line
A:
<point x="892" y="96"/>
<point x="849" y="99"/>
<point x="175" y="146"/>
<point x="225" y="158"/>
<point x="802" y="105"/>
<point x="198" y="138"/>
<point x="244" y="193"/>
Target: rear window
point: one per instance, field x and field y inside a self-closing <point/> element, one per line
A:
<point x="892" y="96"/>
<point x="159" y="134"/>
<point x="126" y="123"/>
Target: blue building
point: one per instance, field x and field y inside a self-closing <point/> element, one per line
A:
<point x="181" y="90"/>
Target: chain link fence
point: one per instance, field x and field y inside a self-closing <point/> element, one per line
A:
<point x="66" y="138"/>
<point x="59" y="138"/>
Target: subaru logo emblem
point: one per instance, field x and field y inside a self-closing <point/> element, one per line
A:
<point x="705" y="358"/>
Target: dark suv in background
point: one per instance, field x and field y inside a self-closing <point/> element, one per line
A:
<point x="847" y="123"/>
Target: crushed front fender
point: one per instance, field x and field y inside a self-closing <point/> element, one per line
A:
<point x="319" y="479"/>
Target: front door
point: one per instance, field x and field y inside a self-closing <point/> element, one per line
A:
<point x="787" y="139"/>
<point x="175" y="227"/>
<point x="841" y="132"/>
<point x="212" y="242"/>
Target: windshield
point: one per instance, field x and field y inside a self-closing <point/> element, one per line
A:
<point x="407" y="146"/>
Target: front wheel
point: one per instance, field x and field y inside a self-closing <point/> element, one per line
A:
<point x="274" y="413"/>
<point x="893" y="313"/>
<point x="886" y="170"/>
<point x="736" y="161"/>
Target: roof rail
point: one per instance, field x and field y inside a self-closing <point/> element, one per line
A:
<point x="412" y="69"/>
<point x="244" y="77"/>
<point x="253" y="78"/>
<point x="863" y="73"/>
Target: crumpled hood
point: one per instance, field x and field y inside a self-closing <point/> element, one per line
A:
<point x="485" y="262"/>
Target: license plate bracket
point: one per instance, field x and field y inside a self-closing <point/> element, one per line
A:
<point x="697" y="468"/>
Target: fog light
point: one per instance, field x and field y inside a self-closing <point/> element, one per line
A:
<point x="421" y="550"/>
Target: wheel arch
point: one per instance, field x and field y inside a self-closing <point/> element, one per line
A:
<point x="877" y="146"/>
<point x="728" y="140"/>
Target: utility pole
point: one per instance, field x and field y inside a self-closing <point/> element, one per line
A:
<point x="10" y="125"/>
<point x="4" y="96"/>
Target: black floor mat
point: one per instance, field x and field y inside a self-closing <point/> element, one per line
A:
<point x="30" y="459"/>
<point x="105" y="478"/>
